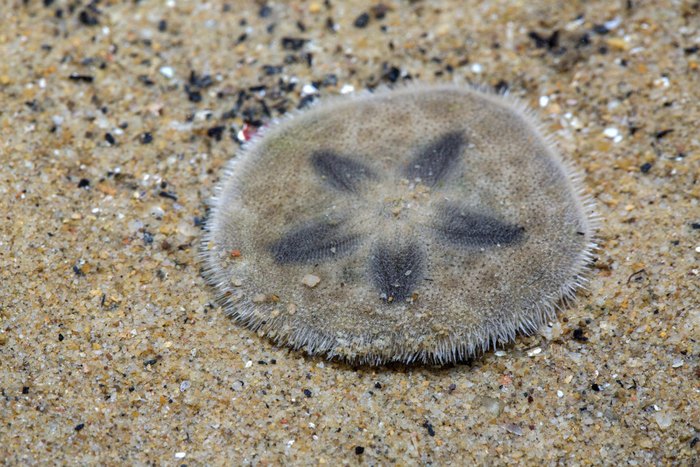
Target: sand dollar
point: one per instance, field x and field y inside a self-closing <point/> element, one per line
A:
<point x="426" y="223"/>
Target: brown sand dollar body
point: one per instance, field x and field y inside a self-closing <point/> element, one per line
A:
<point x="426" y="223"/>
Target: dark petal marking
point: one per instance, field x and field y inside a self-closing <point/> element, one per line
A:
<point x="396" y="270"/>
<point x="434" y="161"/>
<point x="341" y="172"/>
<point x="469" y="229"/>
<point x="313" y="242"/>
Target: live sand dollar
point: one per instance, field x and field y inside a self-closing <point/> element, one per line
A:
<point x="427" y="223"/>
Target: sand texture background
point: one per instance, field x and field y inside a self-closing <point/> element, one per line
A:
<point x="116" y="119"/>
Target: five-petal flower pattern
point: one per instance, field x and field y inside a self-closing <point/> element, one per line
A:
<point x="395" y="265"/>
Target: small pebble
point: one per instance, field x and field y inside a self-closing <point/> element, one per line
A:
<point x="514" y="429"/>
<point x="611" y="132"/>
<point x="361" y="21"/>
<point x="310" y="280"/>
<point x="167" y="71"/>
<point x="663" y="419"/>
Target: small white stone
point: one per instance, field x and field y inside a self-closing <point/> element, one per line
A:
<point x="249" y="363"/>
<point x="677" y="363"/>
<point x="611" y="132"/>
<point x="347" y="89"/>
<point x="500" y="353"/>
<point x="560" y="394"/>
<point x="544" y="100"/>
<point x="308" y="89"/>
<point x="310" y="280"/>
<point x="477" y="68"/>
<point x="662" y="82"/>
<point x="663" y="419"/>
<point x="533" y="352"/>
<point x="180" y="455"/>
<point x="613" y="23"/>
<point x="184" y="386"/>
<point x="167" y="71"/>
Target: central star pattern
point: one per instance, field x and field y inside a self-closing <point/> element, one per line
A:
<point x="396" y="264"/>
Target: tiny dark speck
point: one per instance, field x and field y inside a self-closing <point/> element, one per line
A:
<point x="359" y="450"/>
<point x="306" y="101"/>
<point x="307" y="392"/>
<point x="81" y="78"/>
<point x="193" y="95"/>
<point x="292" y="43"/>
<point x="361" y="21"/>
<point x="501" y="87"/>
<point x="168" y="195"/>
<point x="379" y="11"/>
<point x="83" y="183"/>
<point x="147" y="238"/>
<point x="378" y="385"/>
<point x="162" y="25"/>
<point x="79" y="426"/>
<point x="392" y="74"/>
<point x="695" y="226"/>
<point x="216" y="132"/>
<point x="87" y="19"/>
<point x="109" y="138"/>
<point x="428" y="426"/>
<point x="77" y="271"/>
<point x="595" y="387"/>
<point x="146" y="138"/>
<point x="265" y="11"/>
<point x="579" y="336"/>
<point x="25" y="390"/>
<point x="646" y="167"/>
<point x="662" y="133"/>
<point x="60" y="337"/>
<point x="145" y="80"/>
<point x="600" y="29"/>
<point x="694" y="441"/>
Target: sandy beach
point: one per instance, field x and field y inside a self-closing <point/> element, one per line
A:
<point x="116" y="120"/>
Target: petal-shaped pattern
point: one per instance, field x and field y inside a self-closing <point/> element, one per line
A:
<point x="396" y="269"/>
<point x="314" y="242"/>
<point x="433" y="163"/>
<point x="465" y="228"/>
<point x="340" y="172"/>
